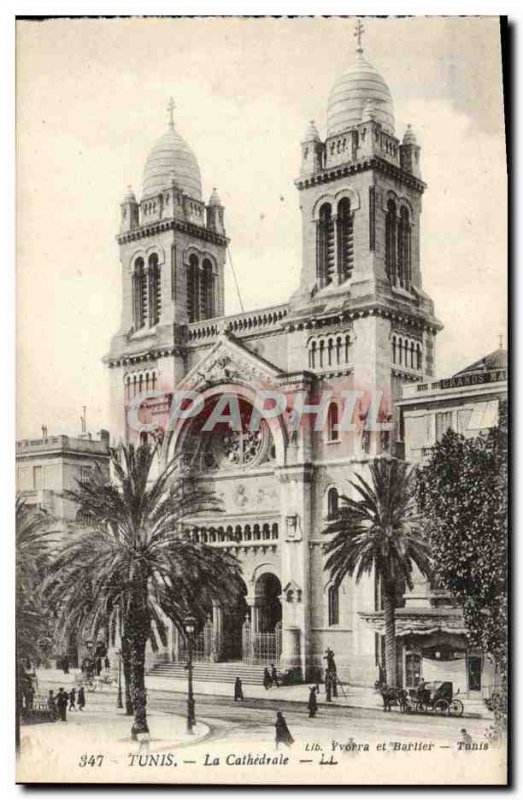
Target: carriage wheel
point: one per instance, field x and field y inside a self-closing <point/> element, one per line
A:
<point x="420" y="706"/>
<point x="456" y="708"/>
<point x="441" y="707"/>
<point x="91" y="686"/>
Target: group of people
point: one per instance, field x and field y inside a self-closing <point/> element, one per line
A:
<point x="59" y="703"/>
<point x="93" y="666"/>
<point x="271" y="677"/>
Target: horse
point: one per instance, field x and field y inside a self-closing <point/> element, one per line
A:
<point x="392" y="696"/>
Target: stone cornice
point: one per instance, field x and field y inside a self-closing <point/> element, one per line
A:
<point x="137" y="358"/>
<point x="377" y="163"/>
<point x="375" y="308"/>
<point x="163" y="225"/>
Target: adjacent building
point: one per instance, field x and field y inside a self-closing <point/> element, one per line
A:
<point x="430" y="627"/>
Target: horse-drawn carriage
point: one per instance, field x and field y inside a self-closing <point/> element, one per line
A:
<point x="436" y="697"/>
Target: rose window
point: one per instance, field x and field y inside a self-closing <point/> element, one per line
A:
<point x="242" y="448"/>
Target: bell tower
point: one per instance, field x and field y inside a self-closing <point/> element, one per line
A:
<point x="360" y="192"/>
<point x="361" y="199"/>
<point x="172" y="254"/>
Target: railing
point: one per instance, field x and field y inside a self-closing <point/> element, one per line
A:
<point x="64" y="443"/>
<point x="246" y="322"/>
<point x="261" y="648"/>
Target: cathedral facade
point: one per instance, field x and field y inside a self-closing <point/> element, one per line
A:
<point x="358" y="326"/>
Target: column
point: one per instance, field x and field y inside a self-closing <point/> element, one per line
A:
<point x="217" y="632"/>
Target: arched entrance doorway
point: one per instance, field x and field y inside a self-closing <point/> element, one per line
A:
<point x="233" y="628"/>
<point x="268" y="603"/>
<point x="268" y="615"/>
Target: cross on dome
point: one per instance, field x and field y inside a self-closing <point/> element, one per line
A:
<point x="358" y="33"/>
<point x="170" y="108"/>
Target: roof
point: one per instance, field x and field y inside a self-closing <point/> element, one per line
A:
<point x="350" y="94"/>
<point x="498" y="359"/>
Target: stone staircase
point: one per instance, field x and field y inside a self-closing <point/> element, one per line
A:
<point x="221" y="672"/>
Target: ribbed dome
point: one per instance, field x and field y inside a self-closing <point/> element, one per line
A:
<point x="350" y="94"/>
<point x="171" y="159"/>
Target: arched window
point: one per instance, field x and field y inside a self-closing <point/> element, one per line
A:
<point x="400" y="350"/>
<point x="412" y="355"/>
<point x="312" y="356"/>
<point x="419" y="363"/>
<point x="325" y="246"/>
<point x="393" y="349"/>
<point x="193" y="289"/>
<point x="332" y="423"/>
<point x="345" y="239"/>
<point x="338" y="350"/>
<point x="333" y="600"/>
<point x="322" y="350"/>
<point x="139" y="294"/>
<point x="332" y="503"/>
<point x="329" y="351"/>
<point x="404" y="267"/>
<point x="390" y="240"/>
<point x="347" y="347"/>
<point x="406" y="346"/>
<point x="207" y="303"/>
<point x="155" y="290"/>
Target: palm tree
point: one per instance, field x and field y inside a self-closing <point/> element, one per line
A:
<point x="132" y="566"/>
<point x="379" y="531"/>
<point x="33" y="542"/>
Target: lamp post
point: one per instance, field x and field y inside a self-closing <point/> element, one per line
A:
<point x="119" y="702"/>
<point x="189" y="625"/>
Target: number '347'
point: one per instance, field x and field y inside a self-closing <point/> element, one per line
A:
<point x="87" y="760"/>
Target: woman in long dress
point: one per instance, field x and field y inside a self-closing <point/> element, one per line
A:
<point x="313" y="703"/>
<point x="283" y="734"/>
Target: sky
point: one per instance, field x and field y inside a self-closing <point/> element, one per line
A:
<point x="92" y="99"/>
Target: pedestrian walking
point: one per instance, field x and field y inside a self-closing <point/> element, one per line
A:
<point x="51" y="703"/>
<point x="107" y="663"/>
<point x="62" y="699"/>
<point x="283" y="734"/>
<point x="328" y="686"/>
<point x="72" y="699"/>
<point x="98" y="666"/>
<point x="81" y="698"/>
<point x="65" y="665"/>
<point x="274" y="675"/>
<point x="313" y="702"/>
<point x="267" y="680"/>
<point x="238" y="690"/>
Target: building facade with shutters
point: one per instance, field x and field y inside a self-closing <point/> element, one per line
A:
<point x="359" y="322"/>
<point x="430" y="627"/>
<point x="46" y="468"/>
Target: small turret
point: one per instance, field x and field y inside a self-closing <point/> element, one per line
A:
<point x="215" y="214"/>
<point x="409" y="153"/>
<point x="129" y="212"/>
<point x="311" y="151"/>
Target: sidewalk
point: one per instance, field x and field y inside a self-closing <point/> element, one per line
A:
<point x="354" y="697"/>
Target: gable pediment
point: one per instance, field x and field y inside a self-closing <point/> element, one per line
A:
<point x="228" y="361"/>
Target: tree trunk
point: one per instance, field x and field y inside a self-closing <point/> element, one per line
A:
<point x="139" y="695"/>
<point x="127" y="674"/>
<point x="389" y="606"/>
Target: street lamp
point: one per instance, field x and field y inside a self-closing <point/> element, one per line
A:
<point x="189" y="625"/>
<point x="119" y="702"/>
